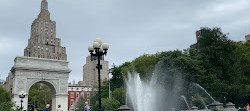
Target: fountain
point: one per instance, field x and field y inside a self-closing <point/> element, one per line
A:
<point x="184" y="98"/>
<point x="165" y="92"/>
<point x="204" y="91"/>
<point x="142" y="95"/>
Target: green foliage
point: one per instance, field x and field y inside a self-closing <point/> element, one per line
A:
<point x="117" y="79"/>
<point x="107" y="105"/>
<point x="120" y="95"/>
<point x="110" y="105"/>
<point x="220" y="60"/>
<point x="145" y="65"/>
<point x="80" y="104"/>
<point x="199" y="101"/>
<point x="40" y="95"/>
<point x="104" y="94"/>
<point x="5" y="100"/>
<point x="178" y="61"/>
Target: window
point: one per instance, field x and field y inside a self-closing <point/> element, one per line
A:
<point x="77" y="95"/>
<point x="72" y="95"/>
<point x="72" y="102"/>
<point x="77" y="89"/>
<point x="88" y="94"/>
<point x="82" y="94"/>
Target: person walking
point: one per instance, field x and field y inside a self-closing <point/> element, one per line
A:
<point x="59" y="108"/>
<point x="248" y="108"/>
<point x="47" y="107"/>
<point x="86" y="108"/>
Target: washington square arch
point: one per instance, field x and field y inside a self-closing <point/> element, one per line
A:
<point x="44" y="61"/>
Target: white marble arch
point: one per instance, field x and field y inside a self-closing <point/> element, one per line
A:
<point x="28" y="70"/>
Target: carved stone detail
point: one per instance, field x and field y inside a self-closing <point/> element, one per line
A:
<point x="20" y="84"/>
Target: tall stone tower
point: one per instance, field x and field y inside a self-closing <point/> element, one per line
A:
<point x="90" y="72"/>
<point x="43" y="42"/>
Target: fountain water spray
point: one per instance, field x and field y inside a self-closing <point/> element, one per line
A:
<point x="184" y="98"/>
<point x="204" y="91"/>
<point x="142" y="95"/>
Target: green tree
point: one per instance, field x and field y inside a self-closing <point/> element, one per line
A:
<point x="145" y="65"/>
<point x="120" y="95"/>
<point x="80" y="104"/>
<point x="40" y="95"/>
<point x="5" y="101"/>
<point x="117" y="79"/>
<point x="107" y="105"/>
<point x="222" y="76"/>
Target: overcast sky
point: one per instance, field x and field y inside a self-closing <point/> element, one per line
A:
<point x="131" y="27"/>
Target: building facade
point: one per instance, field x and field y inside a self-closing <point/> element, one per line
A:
<point x="247" y="37"/>
<point x="90" y="72"/>
<point x="43" y="42"/>
<point x="74" y="93"/>
<point x="199" y="34"/>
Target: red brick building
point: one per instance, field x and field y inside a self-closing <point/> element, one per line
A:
<point x="74" y="93"/>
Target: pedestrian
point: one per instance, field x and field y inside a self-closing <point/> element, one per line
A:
<point x="59" y="108"/>
<point x="47" y="107"/>
<point x="86" y="108"/>
<point x="239" y="109"/>
<point x="248" y="108"/>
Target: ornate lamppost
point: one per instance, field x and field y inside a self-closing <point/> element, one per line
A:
<point x="22" y="95"/>
<point x="98" y="50"/>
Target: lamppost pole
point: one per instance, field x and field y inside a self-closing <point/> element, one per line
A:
<point x="98" y="50"/>
<point x="99" y="80"/>
<point x="21" y="96"/>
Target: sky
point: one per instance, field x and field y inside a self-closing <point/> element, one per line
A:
<point x="131" y="27"/>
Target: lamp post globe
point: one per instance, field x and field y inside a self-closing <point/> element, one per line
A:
<point x="98" y="50"/>
<point x="105" y="46"/>
<point x="91" y="48"/>
<point x="96" y="45"/>
<point x="98" y="40"/>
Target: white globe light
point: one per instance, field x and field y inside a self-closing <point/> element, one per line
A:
<point x="20" y="93"/>
<point x="101" y="49"/>
<point x="91" y="48"/>
<point x="98" y="40"/>
<point x="96" y="45"/>
<point x="105" y="46"/>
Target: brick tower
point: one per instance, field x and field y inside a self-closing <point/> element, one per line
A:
<point x="43" y="42"/>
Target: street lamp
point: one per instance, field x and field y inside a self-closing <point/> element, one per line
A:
<point x="21" y="96"/>
<point x="98" y="49"/>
